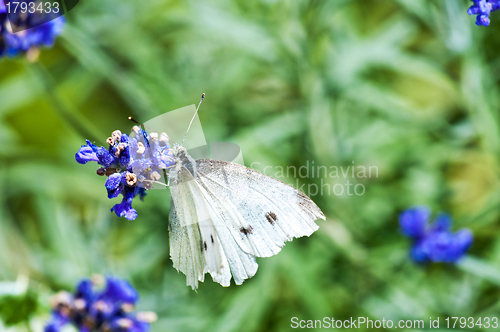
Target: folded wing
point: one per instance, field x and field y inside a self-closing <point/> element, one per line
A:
<point x="225" y="215"/>
<point x="196" y="245"/>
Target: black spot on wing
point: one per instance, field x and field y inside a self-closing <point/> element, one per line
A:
<point x="203" y="246"/>
<point x="271" y="217"/>
<point x="212" y="238"/>
<point x="246" y="231"/>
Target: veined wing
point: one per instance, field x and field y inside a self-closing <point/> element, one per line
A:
<point x="198" y="243"/>
<point x="261" y="212"/>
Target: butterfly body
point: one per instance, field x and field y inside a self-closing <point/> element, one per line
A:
<point x="223" y="215"/>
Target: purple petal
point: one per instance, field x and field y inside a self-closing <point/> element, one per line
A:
<point x="84" y="290"/>
<point x="124" y="209"/>
<point x="461" y="243"/>
<point x="418" y="252"/>
<point x="113" y="185"/>
<point x="473" y="10"/>
<point x="119" y="290"/>
<point x="139" y="166"/>
<point x="132" y="143"/>
<point x="124" y="138"/>
<point x="483" y="20"/>
<point x="104" y="157"/>
<point x="485" y="7"/>
<point x="414" y="221"/>
<point x="442" y="222"/>
<point x="86" y="153"/>
<point x="124" y="157"/>
<point x="438" y="246"/>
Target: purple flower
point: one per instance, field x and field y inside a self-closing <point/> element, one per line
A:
<point x="91" y="309"/>
<point x="483" y="8"/>
<point x="40" y="34"/>
<point x="119" y="290"/>
<point x="436" y="242"/>
<point x="132" y="164"/>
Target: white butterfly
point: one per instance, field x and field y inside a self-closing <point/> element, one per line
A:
<point x="223" y="215"/>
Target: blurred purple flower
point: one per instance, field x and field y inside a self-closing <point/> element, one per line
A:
<point x="483" y="8"/>
<point x="119" y="290"/>
<point x="436" y="242"/>
<point x="15" y="43"/>
<point x="91" y="309"/>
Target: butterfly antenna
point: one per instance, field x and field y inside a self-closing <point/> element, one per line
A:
<point x="140" y="124"/>
<point x="194" y="116"/>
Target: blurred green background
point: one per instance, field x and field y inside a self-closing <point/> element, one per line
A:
<point x="408" y="86"/>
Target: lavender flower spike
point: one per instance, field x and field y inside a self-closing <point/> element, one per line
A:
<point x="90" y="309"/>
<point x="436" y="242"/>
<point x="483" y="9"/>
<point x="131" y="163"/>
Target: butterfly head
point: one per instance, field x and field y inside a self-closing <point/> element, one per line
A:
<point x="180" y="155"/>
<point x="181" y="158"/>
<point x="178" y="151"/>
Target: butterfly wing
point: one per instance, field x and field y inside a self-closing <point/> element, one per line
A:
<point x="224" y="215"/>
<point x="196" y="246"/>
<point x="260" y="212"/>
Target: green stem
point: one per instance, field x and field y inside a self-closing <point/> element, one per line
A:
<point x="480" y="268"/>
